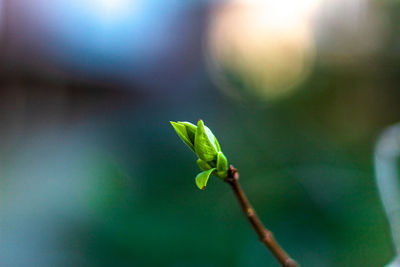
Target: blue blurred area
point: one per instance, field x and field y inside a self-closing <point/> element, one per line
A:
<point x="112" y="36"/>
<point x="124" y="40"/>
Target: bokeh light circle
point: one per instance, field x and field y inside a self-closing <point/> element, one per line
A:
<point x="261" y="49"/>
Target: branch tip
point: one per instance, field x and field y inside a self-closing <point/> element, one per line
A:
<point x="233" y="175"/>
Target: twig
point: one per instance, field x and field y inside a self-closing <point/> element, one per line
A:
<point x="265" y="235"/>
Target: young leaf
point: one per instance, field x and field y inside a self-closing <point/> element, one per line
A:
<point x="211" y="137"/>
<point x="204" y="144"/>
<point x="190" y="129"/>
<point x="203" y="165"/>
<point x="217" y="144"/>
<point x="202" y="178"/>
<point x="182" y="133"/>
<point x="222" y="162"/>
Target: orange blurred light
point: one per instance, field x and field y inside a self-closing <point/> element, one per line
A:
<point x="268" y="45"/>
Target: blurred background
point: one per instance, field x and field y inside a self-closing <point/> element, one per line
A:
<point x="92" y="173"/>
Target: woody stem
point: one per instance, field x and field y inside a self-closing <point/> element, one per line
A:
<point x="265" y="235"/>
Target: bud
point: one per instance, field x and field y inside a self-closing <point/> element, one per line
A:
<point x="186" y="131"/>
<point x="203" y="142"/>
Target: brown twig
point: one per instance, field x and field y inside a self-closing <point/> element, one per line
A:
<point x="266" y="236"/>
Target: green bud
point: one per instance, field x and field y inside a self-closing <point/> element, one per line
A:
<point x="204" y="143"/>
<point x="222" y="165"/>
<point x="190" y="129"/>
<point x="183" y="133"/>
